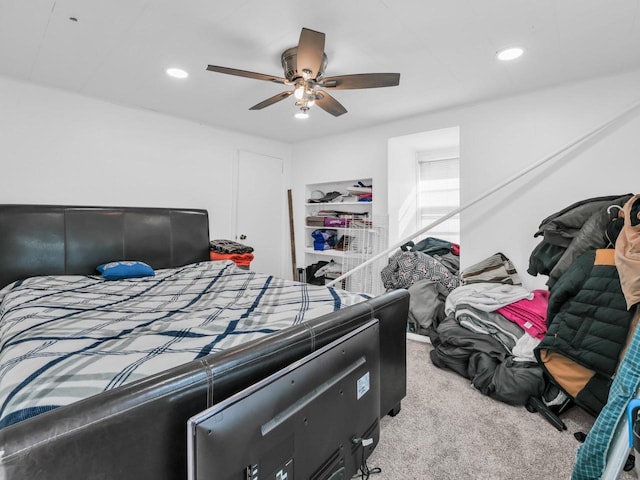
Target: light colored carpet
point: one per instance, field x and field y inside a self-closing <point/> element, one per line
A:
<point x="448" y="430"/>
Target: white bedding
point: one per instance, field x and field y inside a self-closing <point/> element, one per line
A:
<point x="64" y="338"/>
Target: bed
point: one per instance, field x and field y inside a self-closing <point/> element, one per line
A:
<point x="131" y="424"/>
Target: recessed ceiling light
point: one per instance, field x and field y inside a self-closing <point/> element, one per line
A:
<point x="509" y="54"/>
<point x="176" y="73"/>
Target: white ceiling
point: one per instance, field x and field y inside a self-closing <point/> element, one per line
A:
<point x="445" y="52"/>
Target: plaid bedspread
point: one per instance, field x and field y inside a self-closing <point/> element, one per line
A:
<point x="65" y="338"/>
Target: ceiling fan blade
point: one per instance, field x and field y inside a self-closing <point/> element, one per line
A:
<point x="362" y="80"/>
<point x="310" y="54"/>
<point x="247" y="74"/>
<point x="271" y="101"/>
<point x="329" y="104"/>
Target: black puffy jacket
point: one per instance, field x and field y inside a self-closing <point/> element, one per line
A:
<point x="588" y="325"/>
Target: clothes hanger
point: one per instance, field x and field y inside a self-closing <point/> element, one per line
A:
<point x="611" y="207"/>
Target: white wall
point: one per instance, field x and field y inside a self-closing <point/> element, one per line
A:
<point x="63" y="148"/>
<point x="60" y="147"/>
<point x="498" y="139"/>
<point x="402" y="186"/>
<point x="403" y="174"/>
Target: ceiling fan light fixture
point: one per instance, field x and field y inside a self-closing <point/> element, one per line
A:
<point x="176" y="72"/>
<point x="305" y="97"/>
<point x="302" y="114"/>
<point x="304" y="66"/>
<point x="508" y="54"/>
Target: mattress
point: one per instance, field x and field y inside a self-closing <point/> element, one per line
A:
<point x="65" y="338"/>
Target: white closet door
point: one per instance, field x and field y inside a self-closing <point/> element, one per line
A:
<point x="260" y="205"/>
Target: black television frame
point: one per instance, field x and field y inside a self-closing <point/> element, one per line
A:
<point x="315" y="420"/>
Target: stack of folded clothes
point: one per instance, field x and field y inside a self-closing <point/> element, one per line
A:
<point x="238" y="253"/>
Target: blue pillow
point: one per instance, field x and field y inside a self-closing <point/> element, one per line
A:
<point x="125" y="269"/>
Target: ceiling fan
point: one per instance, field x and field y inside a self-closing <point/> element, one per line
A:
<point x="304" y="67"/>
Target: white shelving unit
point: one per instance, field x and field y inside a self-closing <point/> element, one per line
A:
<point x="361" y="247"/>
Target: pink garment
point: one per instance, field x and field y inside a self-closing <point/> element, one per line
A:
<point x="531" y="315"/>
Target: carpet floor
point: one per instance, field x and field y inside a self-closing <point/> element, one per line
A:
<point x="448" y="430"/>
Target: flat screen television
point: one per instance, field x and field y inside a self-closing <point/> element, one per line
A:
<point x="317" y="419"/>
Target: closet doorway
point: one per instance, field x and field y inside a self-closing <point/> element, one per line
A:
<point x="260" y="203"/>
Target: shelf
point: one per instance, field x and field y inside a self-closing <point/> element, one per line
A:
<point x="347" y="204"/>
<point x="325" y="253"/>
<point x="322" y="227"/>
<point x="335" y="253"/>
<point x="360" y="229"/>
<point x="315" y="204"/>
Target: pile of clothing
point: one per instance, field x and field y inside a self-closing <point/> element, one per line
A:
<point x="317" y="273"/>
<point x="514" y="344"/>
<point x="429" y="271"/>
<point x="238" y="253"/>
<point x="324" y="239"/>
<point x="491" y="328"/>
<point x="592" y="456"/>
<point x="568" y="233"/>
<point x="589" y="320"/>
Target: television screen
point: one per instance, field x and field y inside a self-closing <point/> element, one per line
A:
<point x="316" y="419"/>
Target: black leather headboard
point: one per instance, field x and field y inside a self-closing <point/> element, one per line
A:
<point x="55" y="239"/>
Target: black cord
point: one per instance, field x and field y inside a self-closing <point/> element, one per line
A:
<point x="363" y="469"/>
